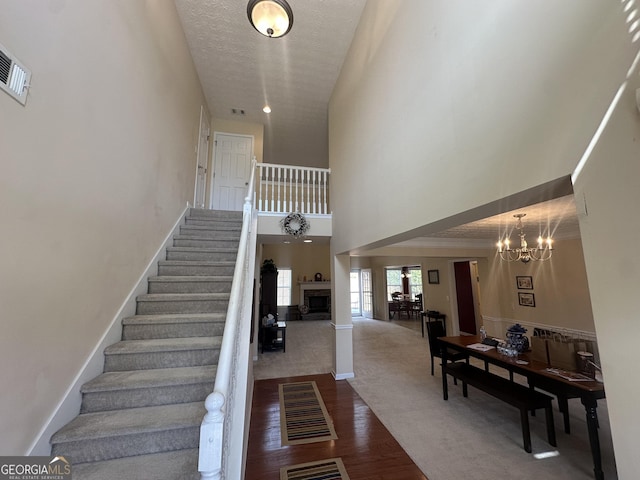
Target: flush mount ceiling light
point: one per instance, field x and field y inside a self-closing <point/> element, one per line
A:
<point x="272" y="18"/>
<point x="524" y="253"/>
<point x="266" y="109"/>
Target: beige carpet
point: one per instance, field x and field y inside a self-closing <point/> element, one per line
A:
<point x="475" y="438"/>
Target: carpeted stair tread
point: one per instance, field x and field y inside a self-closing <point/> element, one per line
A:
<point x="181" y="297"/>
<point x="203" y="249"/>
<point x="195" y="267"/>
<point x="141" y="418"/>
<point x="176" y="465"/>
<point x="234" y="215"/>
<point x="173" y="318"/>
<point x="226" y="238"/>
<point x="183" y="284"/>
<point x="163" y="345"/>
<point x="159" y="377"/>
<point x="200" y="224"/>
<point x="132" y="421"/>
<point x="189" y="263"/>
<point x="191" y="278"/>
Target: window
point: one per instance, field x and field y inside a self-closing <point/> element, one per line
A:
<point x="355" y="293"/>
<point x="394" y="282"/>
<point x="284" y="286"/>
<point x="415" y="281"/>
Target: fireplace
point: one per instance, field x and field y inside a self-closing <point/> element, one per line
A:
<point x="317" y="297"/>
<point x="319" y="303"/>
<point x="318" y="300"/>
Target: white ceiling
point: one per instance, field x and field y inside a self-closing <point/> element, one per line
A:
<point x="295" y="74"/>
<point x="557" y="218"/>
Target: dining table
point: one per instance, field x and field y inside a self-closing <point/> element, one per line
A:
<point x="539" y="375"/>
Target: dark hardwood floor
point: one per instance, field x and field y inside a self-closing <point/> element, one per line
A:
<point x="366" y="447"/>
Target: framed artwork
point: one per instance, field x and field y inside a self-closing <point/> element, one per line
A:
<point x="526" y="299"/>
<point x="434" y="276"/>
<point x="524" y="283"/>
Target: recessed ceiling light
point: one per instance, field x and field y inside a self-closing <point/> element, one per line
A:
<point x="266" y="109"/>
<point x="308" y="240"/>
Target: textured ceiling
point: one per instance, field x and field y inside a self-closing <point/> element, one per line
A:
<point x="556" y="217"/>
<point x="295" y="74"/>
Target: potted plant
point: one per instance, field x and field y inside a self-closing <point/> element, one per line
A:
<point x="268" y="266"/>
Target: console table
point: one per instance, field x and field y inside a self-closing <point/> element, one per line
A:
<point x="274" y="337"/>
<point x="536" y="374"/>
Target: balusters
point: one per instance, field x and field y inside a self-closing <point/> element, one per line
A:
<point x="286" y="189"/>
<point x="278" y="173"/>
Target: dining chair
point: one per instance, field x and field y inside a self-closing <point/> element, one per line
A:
<point x="416" y="306"/>
<point x="437" y="328"/>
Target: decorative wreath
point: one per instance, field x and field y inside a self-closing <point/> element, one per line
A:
<point x="295" y="224"/>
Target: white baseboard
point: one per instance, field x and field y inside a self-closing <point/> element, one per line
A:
<point x="342" y="376"/>
<point x="69" y="406"/>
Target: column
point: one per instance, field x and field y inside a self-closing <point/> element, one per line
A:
<point x="341" y="317"/>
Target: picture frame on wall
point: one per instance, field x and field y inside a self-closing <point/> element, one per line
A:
<point x="526" y="299"/>
<point x="524" y="283"/>
<point x="433" y="276"/>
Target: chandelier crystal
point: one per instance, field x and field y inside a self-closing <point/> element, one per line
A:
<point x="524" y="253"/>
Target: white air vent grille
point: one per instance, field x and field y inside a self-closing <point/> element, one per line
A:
<point x="14" y="77"/>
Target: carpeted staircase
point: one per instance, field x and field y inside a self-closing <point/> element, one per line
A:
<point x="141" y="418"/>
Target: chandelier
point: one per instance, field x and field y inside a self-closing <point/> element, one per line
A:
<point x="524" y="253"/>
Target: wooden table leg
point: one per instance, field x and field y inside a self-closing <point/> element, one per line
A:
<point x="284" y="339"/>
<point x="445" y="387"/>
<point x="563" y="406"/>
<point x="590" y="406"/>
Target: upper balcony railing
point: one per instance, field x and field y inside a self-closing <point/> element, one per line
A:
<point x="287" y="188"/>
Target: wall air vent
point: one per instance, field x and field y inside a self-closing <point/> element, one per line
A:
<point x="14" y="77"/>
<point x="238" y="111"/>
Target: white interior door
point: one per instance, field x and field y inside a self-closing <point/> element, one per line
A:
<point x="232" y="170"/>
<point x="367" y="293"/>
<point x="203" y="160"/>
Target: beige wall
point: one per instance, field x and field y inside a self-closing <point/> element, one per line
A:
<point x="434" y="107"/>
<point x="304" y="259"/>
<point x="609" y="186"/>
<point x="95" y="171"/>
<point x="242" y="128"/>
<point x="448" y="102"/>
<point x="560" y="287"/>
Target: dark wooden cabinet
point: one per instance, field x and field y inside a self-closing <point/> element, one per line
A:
<point x="269" y="294"/>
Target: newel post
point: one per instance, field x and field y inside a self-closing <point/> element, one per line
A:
<point x="211" y="438"/>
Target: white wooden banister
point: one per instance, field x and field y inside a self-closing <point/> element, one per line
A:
<point x="222" y="433"/>
<point x="287" y="188"/>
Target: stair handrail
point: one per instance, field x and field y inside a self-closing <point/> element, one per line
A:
<point x="222" y="433"/>
<point x="290" y="188"/>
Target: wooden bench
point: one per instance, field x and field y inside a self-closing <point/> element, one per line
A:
<point x="523" y="398"/>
